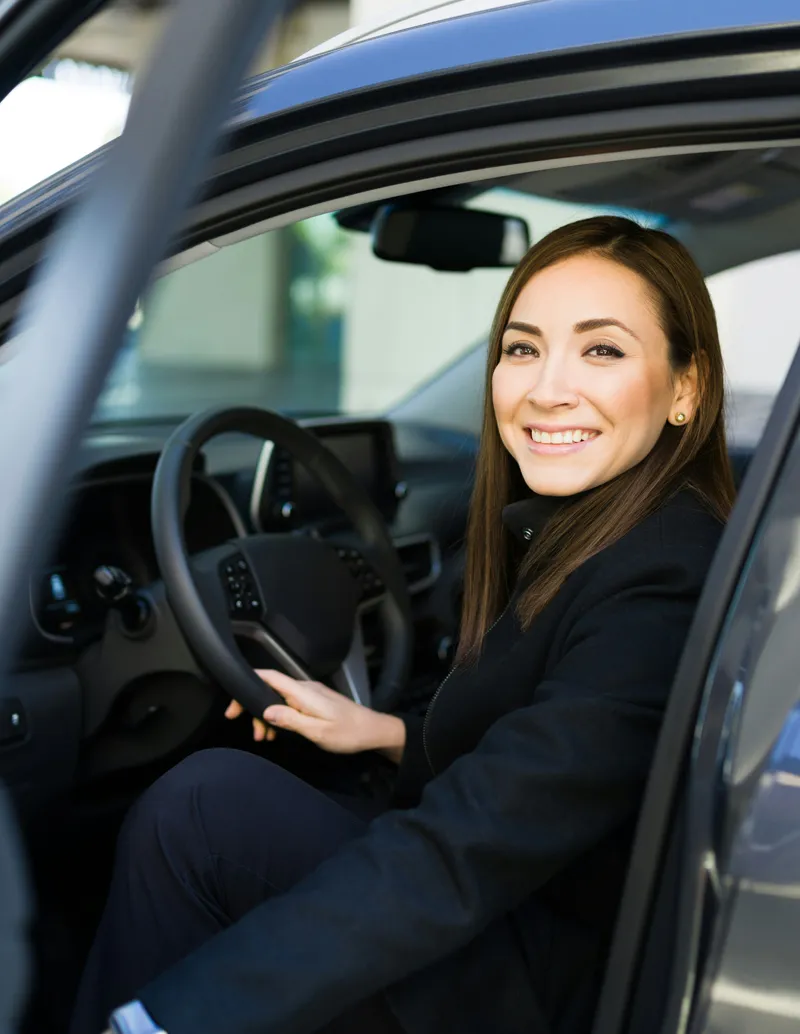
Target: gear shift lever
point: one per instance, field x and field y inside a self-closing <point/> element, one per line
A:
<point x="115" y="588"/>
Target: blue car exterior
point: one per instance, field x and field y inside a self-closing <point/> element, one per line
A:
<point x="540" y="29"/>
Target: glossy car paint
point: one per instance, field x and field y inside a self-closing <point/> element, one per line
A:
<point x="548" y="28"/>
<point x="744" y="817"/>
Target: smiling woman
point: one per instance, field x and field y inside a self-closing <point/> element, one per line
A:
<point x="604" y="372"/>
<point x="505" y="843"/>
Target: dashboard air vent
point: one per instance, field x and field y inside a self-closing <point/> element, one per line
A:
<point x="282" y="475"/>
<point x="421" y="561"/>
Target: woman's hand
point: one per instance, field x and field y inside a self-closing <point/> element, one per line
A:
<point x="334" y="722"/>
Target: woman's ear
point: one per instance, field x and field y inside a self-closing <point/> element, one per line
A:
<point x="684" y="401"/>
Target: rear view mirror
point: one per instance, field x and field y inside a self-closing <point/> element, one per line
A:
<point x="453" y="239"/>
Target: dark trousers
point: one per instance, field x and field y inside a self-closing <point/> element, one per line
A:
<point x="213" y="838"/>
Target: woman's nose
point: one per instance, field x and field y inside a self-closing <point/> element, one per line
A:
<point x="552" y="386"/>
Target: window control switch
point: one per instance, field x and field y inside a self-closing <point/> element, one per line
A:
<point x="13" y="726"/>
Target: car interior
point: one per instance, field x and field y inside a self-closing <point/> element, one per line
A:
<point x="368" y="326"/>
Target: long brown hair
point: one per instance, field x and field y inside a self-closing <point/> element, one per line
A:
<point x="694" y="456"/>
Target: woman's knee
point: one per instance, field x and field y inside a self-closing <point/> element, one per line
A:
<point x="177" y="813"/>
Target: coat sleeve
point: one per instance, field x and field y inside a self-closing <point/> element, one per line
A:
<point x="413" y="771"/>
<point x="546" y="783"/>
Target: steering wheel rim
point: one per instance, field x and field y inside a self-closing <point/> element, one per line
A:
<point x="213" y="645"/>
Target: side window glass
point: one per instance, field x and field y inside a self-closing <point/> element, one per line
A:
<point x="759" y="324"/>
<point x="318" y="265"/>
<point x="307" y="320"/>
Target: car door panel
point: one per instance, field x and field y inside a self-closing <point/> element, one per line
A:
<point x="744" y="793"/>
<point x="704" y="686"/>
<point x="39" y="751"/>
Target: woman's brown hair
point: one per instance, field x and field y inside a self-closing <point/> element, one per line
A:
<point x="694" y="456"/>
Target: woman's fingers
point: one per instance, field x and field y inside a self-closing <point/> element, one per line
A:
<point x="261" y="731"/>
<point x="307" y="709"/>
<point x="302" y="696"/>
<point x="294" y="721"/>
<point x="289" y="688"/>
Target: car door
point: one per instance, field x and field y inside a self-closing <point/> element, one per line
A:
<point x="711" y="906"/>
<point x="29" y="31"/>
<point x="311" y="166"/>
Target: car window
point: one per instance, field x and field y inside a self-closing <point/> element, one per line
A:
<point x="57" y="117"/>
<point x="307" y="320"/>
<point x="78" y="99"/>
<point x="759" y="324"/>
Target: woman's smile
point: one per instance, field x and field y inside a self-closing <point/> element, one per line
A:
<point x="547" y="440"/>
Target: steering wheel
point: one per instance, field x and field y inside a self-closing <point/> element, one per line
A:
<point x="296" y="595"/>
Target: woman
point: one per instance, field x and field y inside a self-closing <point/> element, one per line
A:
<point x="485" y="899"/>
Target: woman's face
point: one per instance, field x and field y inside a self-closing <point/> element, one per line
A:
<point x="584" y="385"/>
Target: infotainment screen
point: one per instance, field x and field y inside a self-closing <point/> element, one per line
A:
<point x="365" y="447"/>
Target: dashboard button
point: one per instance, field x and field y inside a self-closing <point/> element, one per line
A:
<point x="13" y="724"/>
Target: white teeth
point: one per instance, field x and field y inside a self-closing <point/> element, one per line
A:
<point x="561" y="437"/>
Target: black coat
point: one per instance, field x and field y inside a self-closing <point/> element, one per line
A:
<point x="487" y="906"/>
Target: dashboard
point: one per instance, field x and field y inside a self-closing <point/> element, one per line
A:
<point x="287" y="493"/>
<point x="108" y="523"/>
<point x="416" y="476"/>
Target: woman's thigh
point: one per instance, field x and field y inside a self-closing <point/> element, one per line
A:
<point x="235" y="826"/>
<point x="217" y="835"/>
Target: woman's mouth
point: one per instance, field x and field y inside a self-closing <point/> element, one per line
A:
<point x="569" y="439"/>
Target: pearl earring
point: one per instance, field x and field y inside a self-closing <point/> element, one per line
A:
<point x="679" y="418"/>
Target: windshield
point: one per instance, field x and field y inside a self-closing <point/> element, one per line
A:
<point x="307" y="320"/>
<point x="74" y="108"/>
<point x="78" y="100"/>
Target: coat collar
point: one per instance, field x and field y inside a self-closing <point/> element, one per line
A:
<point x="526" y="518"/>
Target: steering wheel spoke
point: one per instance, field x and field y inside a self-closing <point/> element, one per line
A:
<point x="352" y="678"/>
<point x="274" y="647"/>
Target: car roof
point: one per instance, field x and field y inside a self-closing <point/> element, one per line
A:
<point x="464" y="34"/>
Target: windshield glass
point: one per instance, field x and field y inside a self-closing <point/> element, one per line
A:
<point x="74" y="107"/>
<point x="78" y="100"/>
<point x="307" y="320"/>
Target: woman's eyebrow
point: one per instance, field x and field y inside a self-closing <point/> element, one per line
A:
<point x="603" y="321"/>
<point x="583" y="327"/>
<point x="526" y="328"/>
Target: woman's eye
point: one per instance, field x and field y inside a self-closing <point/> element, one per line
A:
<point x="520" y="348"/>
<point x="606" y="352"/>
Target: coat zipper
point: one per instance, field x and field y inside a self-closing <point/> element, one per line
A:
<point x="442" y="684"/>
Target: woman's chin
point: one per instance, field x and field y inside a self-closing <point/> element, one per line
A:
<point x="558" y="482"/>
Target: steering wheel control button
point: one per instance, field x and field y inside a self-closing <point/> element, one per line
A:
<point x="240" y="588"/>
<point x="370" y="584"/>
